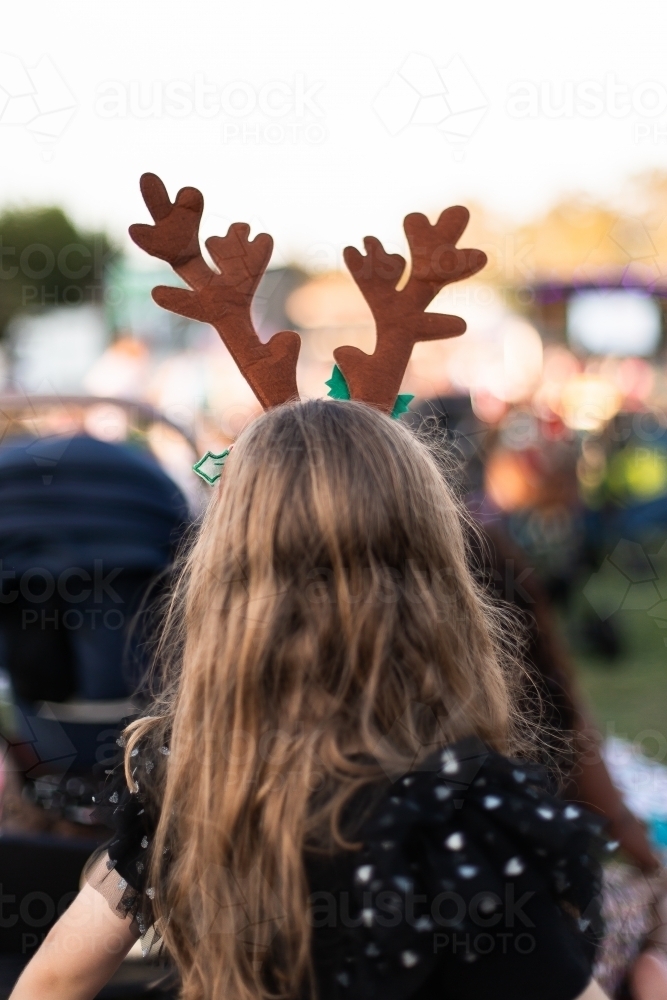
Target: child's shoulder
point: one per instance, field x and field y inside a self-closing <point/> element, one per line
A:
<point x="466" y="848"/>
<point x="484" y="813"/>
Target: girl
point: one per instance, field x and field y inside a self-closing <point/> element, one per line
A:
<point x="319" y="804"/>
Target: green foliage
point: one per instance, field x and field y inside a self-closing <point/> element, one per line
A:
<point x="45" y="261"/>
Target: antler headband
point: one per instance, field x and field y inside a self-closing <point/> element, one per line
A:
<point x="223" y="297"/>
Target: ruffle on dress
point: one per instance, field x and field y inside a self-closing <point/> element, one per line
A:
<point x="472" y="881"/>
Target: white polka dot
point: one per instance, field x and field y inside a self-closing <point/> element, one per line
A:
<point x="364" y="873"/>
<point x="514" y="866"/>
<point x="368" y="916"/>
<point x="409" y="959"/>
<point x="450" y="764"/>
<point x="442" y="793"/>
<point x="402" y="882"/>
<point x="545" y="812"/>
<point x="454" y="842"/>
<point x="424" y="924"/>
<point x="467" y="871"/>
<point x="519" y="776"/>
<point x="572" y="812"/>
<point x="491" y="801"/>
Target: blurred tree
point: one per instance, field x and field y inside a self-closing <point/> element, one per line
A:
<point x="582" y="240"/>
<point x="45" y="261"/>
<point x="645" y="195"/>
<point x="577" y="241"/>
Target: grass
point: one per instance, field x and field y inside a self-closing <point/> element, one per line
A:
<point x="628" y="693"/>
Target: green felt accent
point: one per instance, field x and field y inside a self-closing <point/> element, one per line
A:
<point x="402" y="404"/>
<point x="338" y="389"/>
<point x="337" y="385"/>
<point x="209" y="468"/>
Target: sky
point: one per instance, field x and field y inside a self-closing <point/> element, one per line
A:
<point x="322" y="122"/>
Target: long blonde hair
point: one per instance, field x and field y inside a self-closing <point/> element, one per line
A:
<point x="326" y="631"/>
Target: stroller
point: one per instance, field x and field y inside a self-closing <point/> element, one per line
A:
<point x="88" y="531"/>
<point x="79" y="552"/>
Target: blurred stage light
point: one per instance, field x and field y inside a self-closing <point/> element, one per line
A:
<point x="588" y="402"/>
<point x="619" y="321"/>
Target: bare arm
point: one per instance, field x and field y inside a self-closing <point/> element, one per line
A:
<point x="80" y="954"/>
<point x="596" y="790"/>
<point x="592" y="992"/>
<point x="86" y="946"/>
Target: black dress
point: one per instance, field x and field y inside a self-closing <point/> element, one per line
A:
<point x="472" y="882"/>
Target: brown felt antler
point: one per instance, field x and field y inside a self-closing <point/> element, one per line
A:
<point x="400" y="320"/>
<point x="220" y="298"/>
